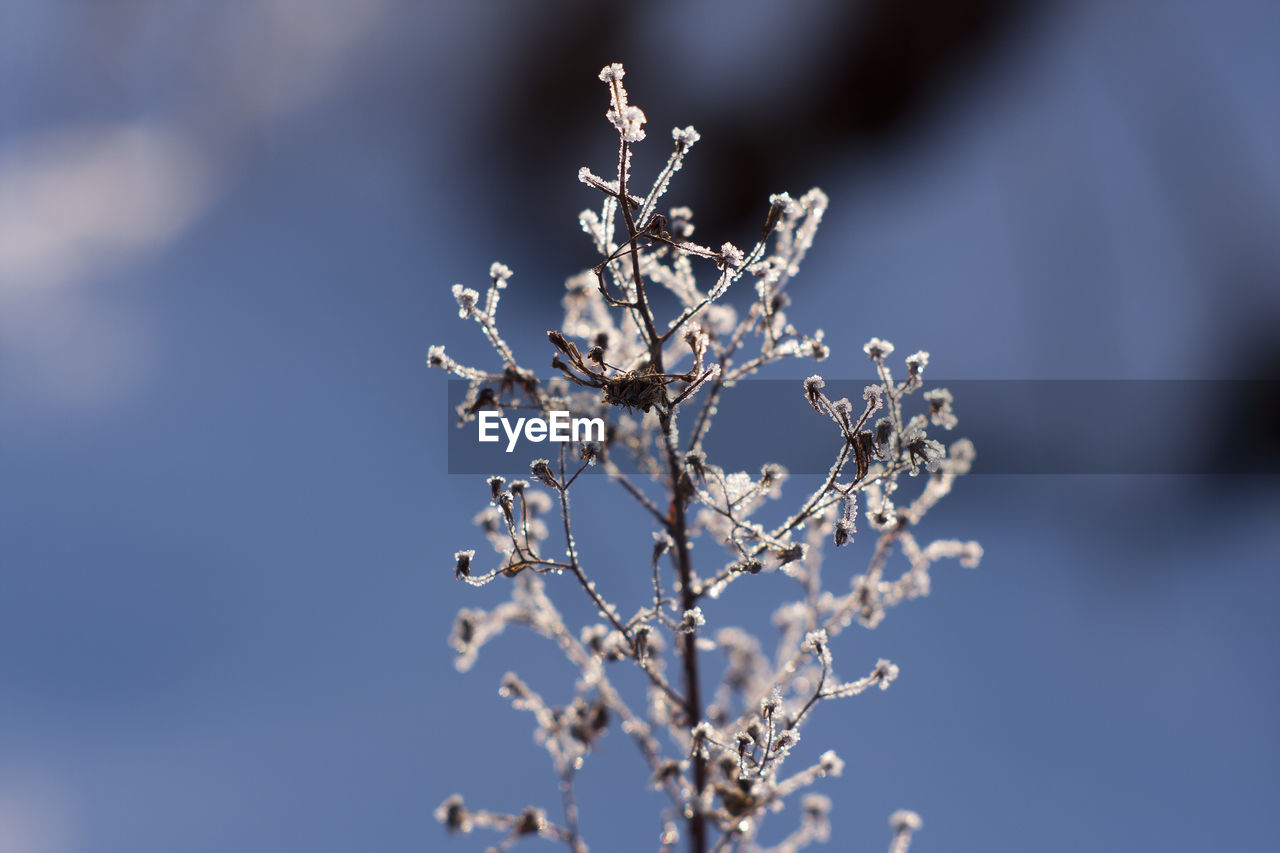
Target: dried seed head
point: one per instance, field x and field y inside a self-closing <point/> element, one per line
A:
<point x="813" y="390"/>
<point x="466" y="298"/>
<point x="641" y="635"/>
<point x="454" y="815"/>
<point x="629" y="120"/>
<point x="730" y="257"/>
<point x="499" y="273"/>
<point x="874" y="396"/>
<point x="541" y="470"/>
<point x="940" y="414"/>
<point x="785" y="741"/>
<point x="532" y="821"/>
<point x="495" y="487"/>
<point x="463" y="567"/>
<point x="877" y="349"/>
<point x="791" y="553"/>
<point x="884" y="673"/>
<point x="916" y="363"/>
<point x="925" y="451"/>
<point x="691" y="620"/>
<point x="436" y="358"/>
<point x="685" y="137"/>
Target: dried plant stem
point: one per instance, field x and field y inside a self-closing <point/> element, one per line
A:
<point x="688" y="600"/>
<point x="726" y="771"/>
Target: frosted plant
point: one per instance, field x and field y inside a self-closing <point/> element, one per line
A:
<point x="723" y="760"/>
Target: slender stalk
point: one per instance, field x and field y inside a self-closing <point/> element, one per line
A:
<point x="675" y="522"/>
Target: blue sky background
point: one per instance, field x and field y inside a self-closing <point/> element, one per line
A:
<point x="227" y="234"/>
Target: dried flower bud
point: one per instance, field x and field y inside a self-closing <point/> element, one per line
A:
<point x="884" y="673"/>
<point x="532" y="821"/>
<point x="641" y="635"/>
<point x="831" y="764"/>
<point x="436" y="358"/>
<point x="846" y="524"/>
<point x="730" y="257"/>
<point x="780" y="205"/>
<point x="628" y="119"/>
<point x="685" y="137"/>
<point x="916" y="363"/>
<point x="466" y="301"/>
<point x="786" y="740"/>
<point x="813" y="390"/>
<point x="883" y="436"/>
<point x="791" y="553"/>
<point x="691" y="620"/>
<point x="495" y="487"/>
<point x="463" y="568"/>
<point x="454" y="815"/>
<point x="877" y="349"/>
<point x="770" y="704"/>
<point x="940" y="413"/>
<point x="513" y="688"/>
<point x="701" y="734"/>
<point x="814" y="641"/>
<point x="874" y="396"/>
<point x="541" y="470"/>
<point x="842" y="409"/>
<point x="499" y="273"/>
<point x="925" y="451"/>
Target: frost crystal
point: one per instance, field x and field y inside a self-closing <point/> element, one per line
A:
<point x="685" y="137"/>
<point x="877" y="349"/>
<point x="885" y="672"/>
<point x="499" y="273"/>
<point x="692" y="620"/>
<point x="467" y="299"/>
<point x="628" y="119"/>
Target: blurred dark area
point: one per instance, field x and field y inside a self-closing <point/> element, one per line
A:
<point x="870" y="78"/>
<point x="874" y="81"/>
<point x="227" y="237"/>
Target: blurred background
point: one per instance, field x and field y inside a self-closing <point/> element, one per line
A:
<point x="227" y="235"/>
